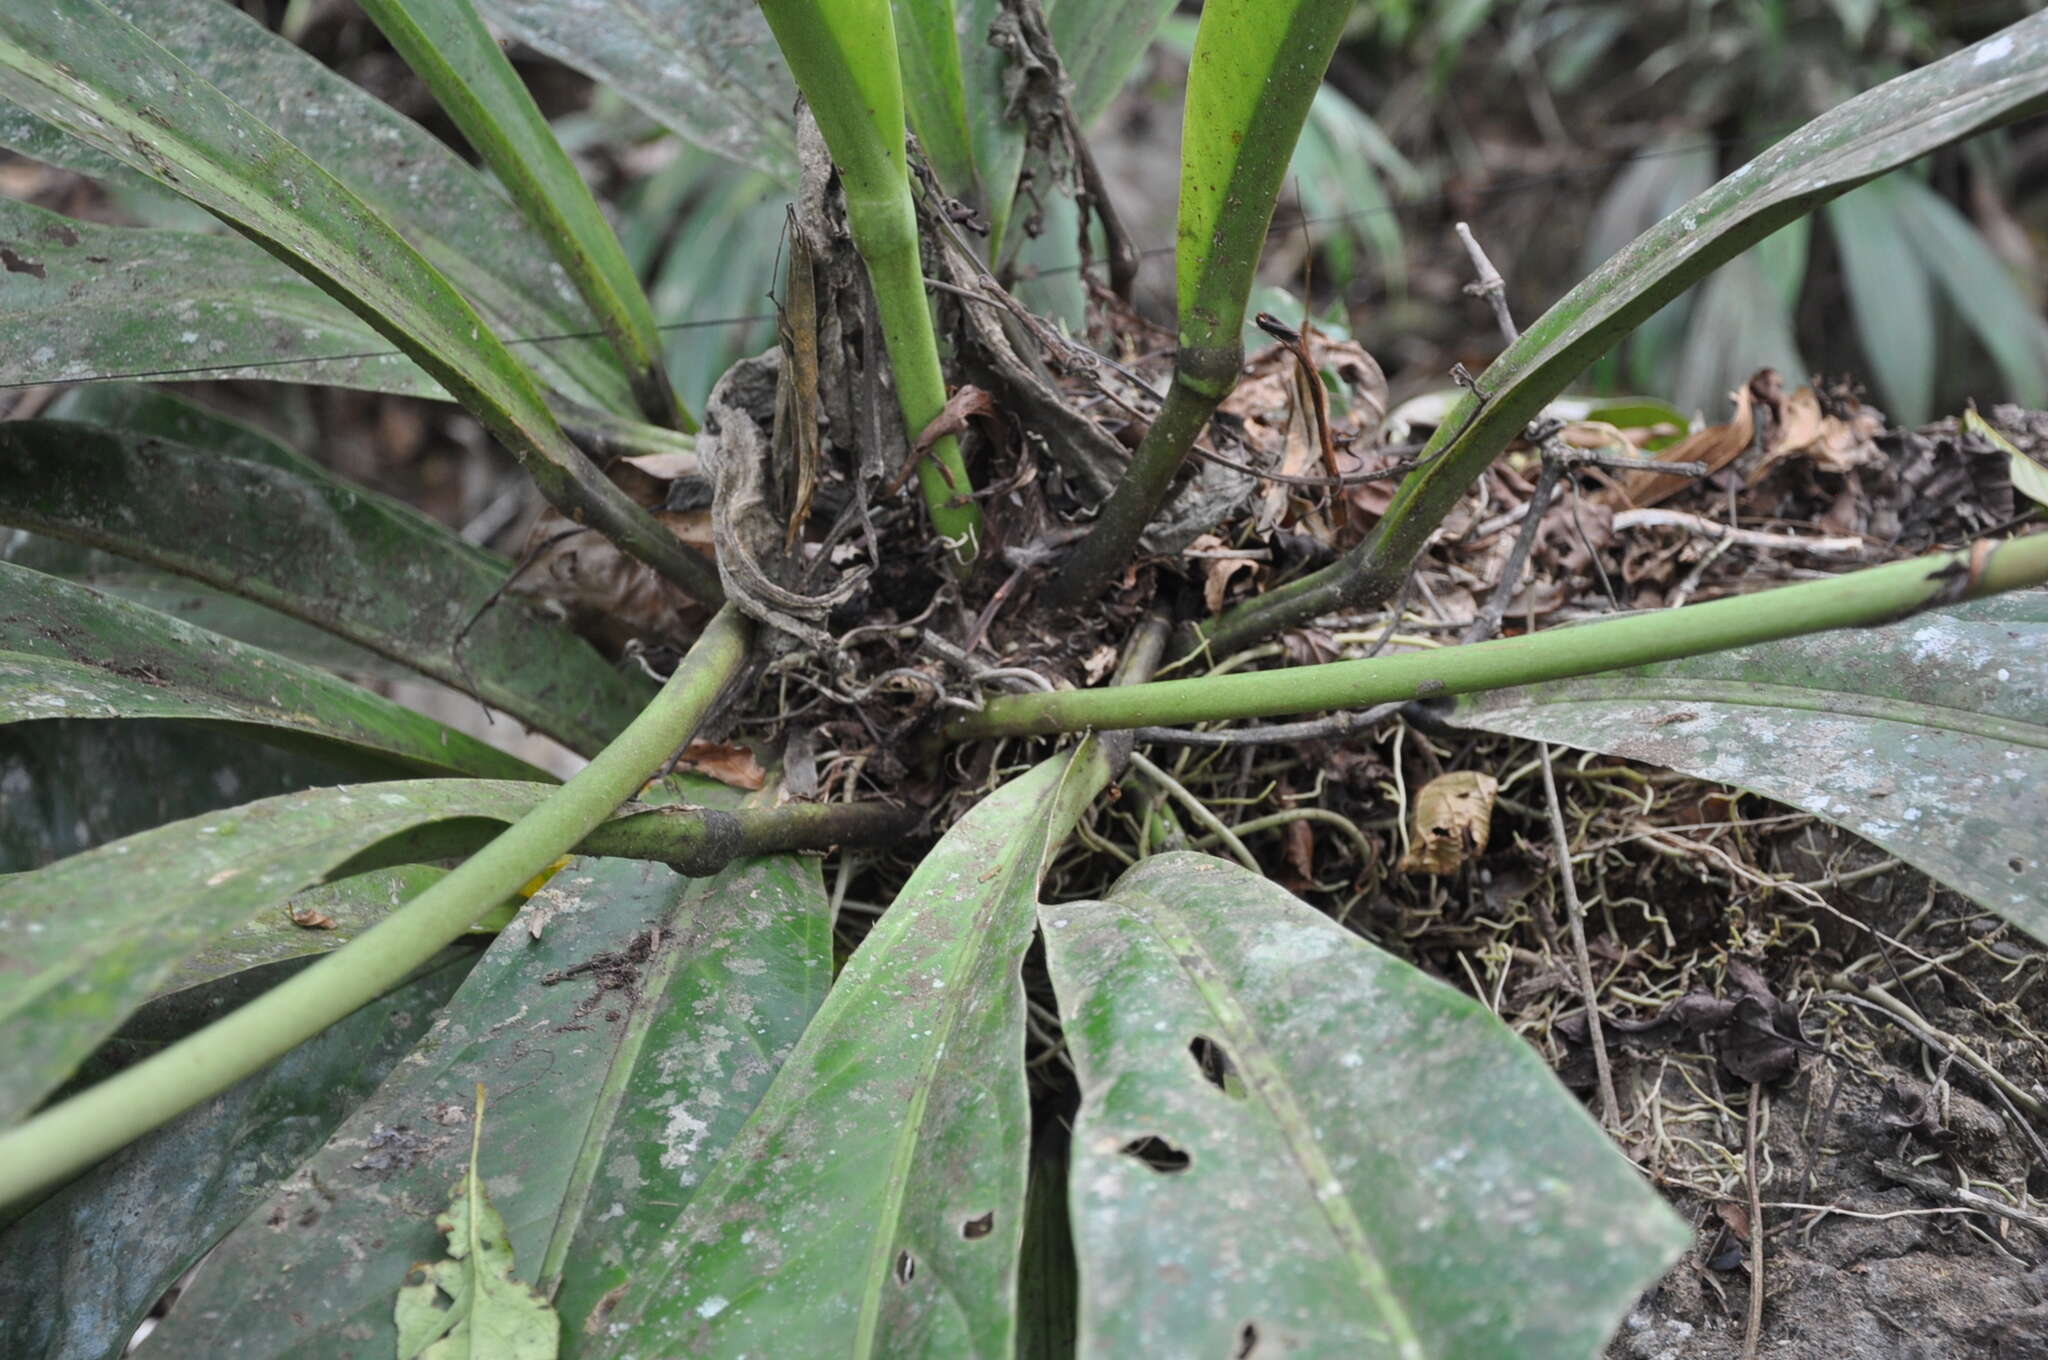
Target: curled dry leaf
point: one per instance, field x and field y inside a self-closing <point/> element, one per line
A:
<point x="1217" y="571"/>
<point x="1279" y="432"/>
<point x="734" y="766"/>
<point x="1453" y="819"/>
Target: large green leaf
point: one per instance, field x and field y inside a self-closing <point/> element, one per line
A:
<point x="1995" y="81"/>
<point x="318" y="920"/>
<point x="81" y="1269"/>
<point x="69" y="652"/>
<point x="453" y="214"/>
<point x="89" y="301"/>
<point x="447" y="44"/>
<point x="1928" y="737"/>
<point x="874" y="1203"/>
<point x="707" y="69"/>
<point x="88" y="938"/>
<point x="610" y="1088"/>
<point x="85" y="70"/>
<point x="290" y="537"/>
<point x="1290" y="1141"/>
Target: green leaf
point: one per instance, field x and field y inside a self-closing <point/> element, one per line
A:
<point x="1928" y="737"/>
<point x="1338" y="1154"/>
<point x="616" y="1086"/>
<point x="289" y="536"/>
<point x="708" y="70"/>
<point x="2029" y="478"/>
<point x="1890" y="295"/>
<point x="490" y="1313"/>
<point x="455" y="215"/>
<point x="100" y="79"/>
<point x="80" y="1270"/>
<point x="2001" y="309"/>
<point x="1100" y="42"/>
<point x="349" y="906"/>
<point x="96" y="302"/>
<point x="70" y="652"/>
<point x="446" y="43"/>
<point x="880" y="1184"/>
<point x="929" y="36"/>
<point x="86" y="943"/>
<point x="1256" y="68"/>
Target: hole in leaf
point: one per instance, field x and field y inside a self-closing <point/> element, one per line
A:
<point x="1216" y="1067"/>
<point x="979" y="1227"/>
<point x="1157" y="1153"/>
<point x="1247" y="1341"/>
<point x="906" y="1267"/>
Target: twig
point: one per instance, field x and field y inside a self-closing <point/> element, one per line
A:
<point x="1959" y="1195"/>
<point x="1753" y="1332"/>
<point x="1315" y="729"/>
<point x="1844" y="546"/>
<point x="1487" y="621"/>
<point x="1490" y="286"/>
<point x="1580" y="955"/>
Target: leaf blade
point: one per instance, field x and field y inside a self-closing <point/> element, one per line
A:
<point x="505" y="1028"/>
<point x="1390" y="1178"/>
<point x="456" y="215"/>
<point x="70" y="652"/>
<point x="893" y="1202"/>
<point x="1918" y="736"/>
<point x="446" y="43"/>
<point x="293" y="538"/>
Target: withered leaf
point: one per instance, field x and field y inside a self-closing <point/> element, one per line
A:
<point x="1453" y="819"/>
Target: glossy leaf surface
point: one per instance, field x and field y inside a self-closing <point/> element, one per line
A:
<point x="70" y="652"/>
<point x="452" y="213"/>
<point x="92" y="301"/>
<point x="1928" y="737"/>
<point x="89" y="938"/>
<point x="1291" y="1140"/>
<point x="86" y="71"/>
<point x="81" y="1269"/>
<point x="874" y="1203"/>
<point x="291" y="537"/>
<point x="620" y="1047"/>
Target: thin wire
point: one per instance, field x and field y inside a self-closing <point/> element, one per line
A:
<point x="1504" y="189"/>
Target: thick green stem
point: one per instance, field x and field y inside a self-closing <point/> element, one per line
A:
<point x="843" y="55"/>
<point x="1859" y="599"/>
<point x="71" y="1136"/>
<point x="1114" y="535"/>
<point x="889" y="246"/>
<point x="1257" y="64"/>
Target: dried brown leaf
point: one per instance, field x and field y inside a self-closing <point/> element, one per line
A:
<point x="728" y="764"/>
<point x="1452" y="820"/>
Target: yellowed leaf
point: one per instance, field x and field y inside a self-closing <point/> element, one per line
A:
<point x="1452" y="820"/>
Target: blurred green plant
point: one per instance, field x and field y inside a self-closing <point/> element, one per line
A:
<point x="1939" y="311"/>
